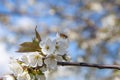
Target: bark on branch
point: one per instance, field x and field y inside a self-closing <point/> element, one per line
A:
<point x="99" y="66"/>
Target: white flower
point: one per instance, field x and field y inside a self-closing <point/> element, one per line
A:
<point x="15" y="67"/>
<point x="8" y="77"/>
<point x="24" y="59"/>
<point x="60" y="48"/>
<point x="43" y="68"/>
<point x="59" y="58"/>
<point x="40" y="77"/>
<point x="51" y="62"/>
<point x="48" y="46"/>
<point x="23" y="76"/>
<point x="35" y="59"/>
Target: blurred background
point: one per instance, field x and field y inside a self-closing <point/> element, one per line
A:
<point x="93" y="27"/>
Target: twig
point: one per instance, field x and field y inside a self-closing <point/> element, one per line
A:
<point x="99" y="66"/>
<point x="83" y="64"/>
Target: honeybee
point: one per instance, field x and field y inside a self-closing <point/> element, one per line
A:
<point x="63" y="36"/>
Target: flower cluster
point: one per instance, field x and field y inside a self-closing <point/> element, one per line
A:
<point x="41" y="56"/>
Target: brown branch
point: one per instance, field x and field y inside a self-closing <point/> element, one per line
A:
<point x="99" y="66"/>
<point x="83" y="64"/>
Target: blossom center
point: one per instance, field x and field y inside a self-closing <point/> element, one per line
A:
<point x="47" y="47"/>
<point x="52" y="57"/>
<point x="57" y="47"/>
<point x="37" y="57"/>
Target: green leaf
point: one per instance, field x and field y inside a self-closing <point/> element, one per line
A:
<point x="29" y="47"/>
<point x="27" y="44"/>
<point x="38" y="38"/>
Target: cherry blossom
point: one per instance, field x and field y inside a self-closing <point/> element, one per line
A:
<point x="24" y="76"/>
<point x="15" y="67"/>
<point x="35" y="59"/>
<point x="48" y="46"/>
<point x="33" y="65"/>
<point x="60" y="48"/>
<point x="51" y="62"/>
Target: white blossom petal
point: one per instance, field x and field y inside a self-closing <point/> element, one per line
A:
<point x="24" y="59"/>
<point x="15" y="67"/>
<point x="51" y="62"/>
<point x="43" y="69"/>
<point x="24" y="76"/>
<point x="60" y="48"/>
<point x="40" y="77"/>
<point x="35" y="59"/>
<point x="39" y="62"/>
<point x="8" y="77"/>
<point x="59" y="58"/>
<point x="48" y="46"/>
